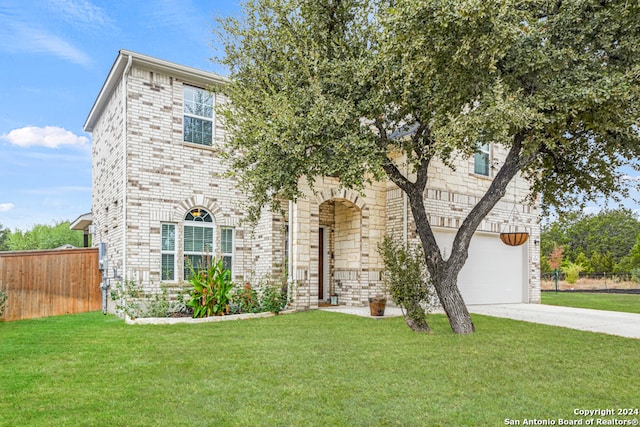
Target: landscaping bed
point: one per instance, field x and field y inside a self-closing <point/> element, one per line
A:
<point x="186" y="319"/>
<point x="585" y="284"/>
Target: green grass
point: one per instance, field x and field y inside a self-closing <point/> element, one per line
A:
<point x="311" y="368"/>
<point x="629" y="303"/>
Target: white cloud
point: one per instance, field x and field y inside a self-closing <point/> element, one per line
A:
<point x="6" y="207"/>
<point x="48" y="136"/>
<point x="82" y="12"/>
<point x="183" y="18"/>
<point x="20" y="34"/>
<point x="44" y="42"/>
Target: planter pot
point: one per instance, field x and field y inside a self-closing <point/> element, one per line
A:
<point x="377" y="305"/>
<point x="334" y="299"/>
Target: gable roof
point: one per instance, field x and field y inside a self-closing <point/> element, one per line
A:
<point x="127" y="57"/>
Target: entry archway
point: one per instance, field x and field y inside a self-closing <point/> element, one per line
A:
<point x="342" y="247"/>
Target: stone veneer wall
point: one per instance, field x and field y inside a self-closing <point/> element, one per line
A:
<point x="268" y="246"/>
<point x="449" y="198"/>
<point x="167" y="177"/>
<point x="356" y="223"/>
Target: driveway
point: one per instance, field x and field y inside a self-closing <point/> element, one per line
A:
<point x="584" y="319"/>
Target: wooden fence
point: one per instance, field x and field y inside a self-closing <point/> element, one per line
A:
<point x="50" y="283"/>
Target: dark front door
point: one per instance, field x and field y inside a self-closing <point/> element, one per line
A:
<point x="321" y="263"/>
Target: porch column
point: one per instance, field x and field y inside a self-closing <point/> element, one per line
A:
<point x="301" y="255"/>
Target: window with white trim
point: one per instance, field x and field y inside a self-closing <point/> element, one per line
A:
<point x="198" y="115"/>
<point x="226" y="247"/>
<point x="481" y="161"/>
<point x="197" y="241"/>
<point x="168" y="252"/>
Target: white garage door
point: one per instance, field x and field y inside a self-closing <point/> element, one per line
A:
<point x="494" y="272"/>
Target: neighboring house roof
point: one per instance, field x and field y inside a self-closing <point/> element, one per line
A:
<point x="66" y="246"/>
<point x="82" y="222"/>
<point x="125" y="58"/>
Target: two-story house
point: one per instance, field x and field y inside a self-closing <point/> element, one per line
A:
<point x="161" y="200"/>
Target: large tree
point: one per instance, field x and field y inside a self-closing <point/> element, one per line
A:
<point x="320" y="87"/>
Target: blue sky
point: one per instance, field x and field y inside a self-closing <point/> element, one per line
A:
<point x="54" y="58"/>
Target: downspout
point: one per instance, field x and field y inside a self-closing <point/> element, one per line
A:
<point x="405" y="207"/>
<point x="124" y="174"/>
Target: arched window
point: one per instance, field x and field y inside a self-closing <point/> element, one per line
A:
<point x="198" y="240"/>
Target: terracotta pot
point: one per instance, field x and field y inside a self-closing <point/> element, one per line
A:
<point x="377" y="305"/>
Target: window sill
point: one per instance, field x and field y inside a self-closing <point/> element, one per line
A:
<point x="214" y="148"/>
<point x="480" y="176"/>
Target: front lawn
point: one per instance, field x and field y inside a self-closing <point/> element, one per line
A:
<point x="629" y="303"/>
<point x="311" y="368"/>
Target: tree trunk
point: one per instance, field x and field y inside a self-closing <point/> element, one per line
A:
<point x="416" y="317"/>
<point x="444" y="276"/>
<point x="417" y="325"/>
<point x="453" y="304"/>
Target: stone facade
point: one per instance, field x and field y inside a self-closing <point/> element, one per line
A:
<point x="146" y="178"/>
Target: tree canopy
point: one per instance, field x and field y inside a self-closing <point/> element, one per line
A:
<point x="324" y="87"/>
<point x="43" y="236"/>
<point x="4" y="234"/>
<point x="597" y="242"/>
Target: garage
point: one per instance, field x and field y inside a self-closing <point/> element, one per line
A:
<point x="494" y="272"/>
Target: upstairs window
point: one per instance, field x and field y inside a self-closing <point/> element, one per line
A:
<point x="481" y="161"/>
<point x="198" y="115"/>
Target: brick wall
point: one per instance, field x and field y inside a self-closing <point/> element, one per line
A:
<point x="166" y="177"/>
<point x="107" y="181"/>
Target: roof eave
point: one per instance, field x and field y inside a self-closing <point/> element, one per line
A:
<point x="194" y="75"/>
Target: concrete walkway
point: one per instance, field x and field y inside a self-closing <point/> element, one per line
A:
<point x="363" y="311"/>
<point x="606" y="322"/>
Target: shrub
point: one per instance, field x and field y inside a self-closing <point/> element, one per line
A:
<point x="244" y="299"/>
<point x="211" y="290"/>
<point x="134" y="302"/>
<point x="405" y="275"/>
<point x="571" y="272"/>
<point x="272" y="297"/>
<point x="161" y="305"/>
<point x="128" y="298"/>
